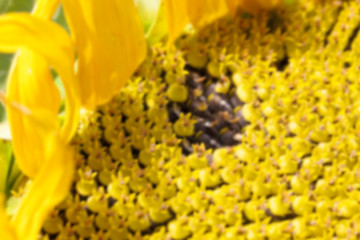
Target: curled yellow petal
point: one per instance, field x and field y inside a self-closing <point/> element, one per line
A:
<point x="52" y="43"/>
<point x="48" y="188"/>
<point x="33" y="90"/>
<point x="110" y="45"/>
<point x="31" y="84"/>
<point x="52" y="181"/>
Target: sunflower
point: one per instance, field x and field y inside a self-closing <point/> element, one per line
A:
<point x="240" y="121"/>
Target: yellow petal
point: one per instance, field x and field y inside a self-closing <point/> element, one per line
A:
<point x="199" y="13"/>
<point x="51" y="183"/>
<point x="177" y="17"/>
<point x="35" y="83"/>
<point x="203" y="12"/>
<point x="30" y="84"/>
<point x="110" y="44"/>
<point x="233" y="6"/>
<point x="159" y="28"/>
<point x="50" y="41"/>
<point x="49" y="187"/>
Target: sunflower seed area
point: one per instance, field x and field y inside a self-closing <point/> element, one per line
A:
<point x="248" y="129"/>
<point x="218" y="117"/>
